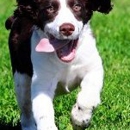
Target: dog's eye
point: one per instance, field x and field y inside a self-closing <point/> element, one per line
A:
<point x="77" y="7"/>
<point x="50" y="9"/>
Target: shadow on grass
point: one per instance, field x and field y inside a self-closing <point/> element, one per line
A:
<point x="9" y="127"/>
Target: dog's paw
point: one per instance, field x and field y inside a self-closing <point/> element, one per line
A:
<point x="80" y="117"/>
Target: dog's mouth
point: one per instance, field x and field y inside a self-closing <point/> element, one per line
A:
<point x="65" y="49"/>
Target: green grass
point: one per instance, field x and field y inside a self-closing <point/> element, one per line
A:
<point x="113" y="41"/>
<point x="8" y="108"/>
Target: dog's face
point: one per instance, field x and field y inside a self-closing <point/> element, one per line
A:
<point x="63" y="19"/>
<point x="62" y="22"/>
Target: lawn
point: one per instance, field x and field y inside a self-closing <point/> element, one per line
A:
<point x="113" y="41"/>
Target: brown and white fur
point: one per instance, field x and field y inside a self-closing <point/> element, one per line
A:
<point x="38" y="72"/>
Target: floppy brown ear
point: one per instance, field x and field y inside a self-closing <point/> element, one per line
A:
<point x="103" y="6"/>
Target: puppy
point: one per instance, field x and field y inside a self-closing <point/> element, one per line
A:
<point x="53" y="51"/>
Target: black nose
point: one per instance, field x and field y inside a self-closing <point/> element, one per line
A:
<point x="67" y="29"/>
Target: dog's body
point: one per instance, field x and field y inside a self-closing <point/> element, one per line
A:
<point x="62" y="51"/>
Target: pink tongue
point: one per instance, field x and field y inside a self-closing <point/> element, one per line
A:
<point x="44" y="46"/>
<point x="50" y="46"/>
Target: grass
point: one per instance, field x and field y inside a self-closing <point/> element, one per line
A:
<point x="113" y="38"/>
<point x="8" y="108"/>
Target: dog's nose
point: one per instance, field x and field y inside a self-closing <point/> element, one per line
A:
<point x="67" y="29"/>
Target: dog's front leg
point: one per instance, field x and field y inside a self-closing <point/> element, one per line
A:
<point x="22" y="89"/>
<point x="42" y="105"/>
<point x="88" y="98"/>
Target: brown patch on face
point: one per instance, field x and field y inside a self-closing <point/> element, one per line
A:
<point x="48" y="10"/>
<point x="76" y="8"/>
<point x="79" y="9"/>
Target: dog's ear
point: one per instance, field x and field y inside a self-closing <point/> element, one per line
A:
<point x="103" y="6"/>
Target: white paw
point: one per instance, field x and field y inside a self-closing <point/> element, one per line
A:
<point x="88" y="99"/>
<point x="80" y="117"/>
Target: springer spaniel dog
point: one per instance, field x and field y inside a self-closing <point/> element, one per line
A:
<point x="53" y="50"/>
